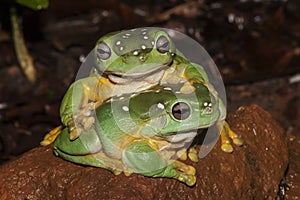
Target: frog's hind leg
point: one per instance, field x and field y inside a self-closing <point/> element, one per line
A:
<point x="226" y="134"/>
<point x="143" y="158"/>
<point x="51" y="136"/>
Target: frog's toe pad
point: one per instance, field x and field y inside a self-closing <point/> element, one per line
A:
<point x="187" y="170"/>
<point x="226" y="147"/>
<point x="190" y="180"/>
<point x="238" y="141"/>
<point x="193" y="156"/>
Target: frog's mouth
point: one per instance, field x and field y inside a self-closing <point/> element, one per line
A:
<point x="152" y="75"/>
<point x="182" y="136"/>
<point x="138" y="74"/>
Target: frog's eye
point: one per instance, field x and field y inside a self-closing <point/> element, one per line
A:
<point x="163" y="44"/>
<point x="181" y="111"/>
<point x="103" y="51"/>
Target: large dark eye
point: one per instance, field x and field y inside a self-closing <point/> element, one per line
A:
<point x="181" y="111"/>
<point x="163" y="44"/>
<point x="103" y="51"/>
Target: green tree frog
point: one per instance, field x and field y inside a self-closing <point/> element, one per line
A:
<point x="129" y="61"/>
<point x="145" y="133"/>
<point x="140" y="112"/>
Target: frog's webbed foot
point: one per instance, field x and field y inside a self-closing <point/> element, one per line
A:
<point x="82" y="120"/>
<point x="186" y="173"/>
<point x="226" y="136"/>
<point x="51" y="136"/>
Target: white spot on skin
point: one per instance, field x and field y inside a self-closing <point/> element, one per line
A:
<point x="118" y="42"/>
<point x="144" y="33"/>
<point x="121" y="98"/>
<point x="135" y="53"/>
<point x="160" y="106"/>
<point x="209" y="104"/>
<point x="157" y="91"/>
<point x="205" y="104"/>
<point x="88" y="113"/>
<point x="144" y="29"/>
<point x="143" y="47"/>
<point x="167" y="88"/>
<point x="125" y="108"/>
<point x="153" y="43"/>
<point x="127" y="34"/>
<point x="146" y="37"/>
<point x="177" y="92"/>
<point x="121" y="48"/>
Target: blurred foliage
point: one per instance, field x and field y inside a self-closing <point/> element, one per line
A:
<point x="34" y="4"/>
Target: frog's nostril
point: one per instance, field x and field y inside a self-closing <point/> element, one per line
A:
<point x="125" y="60"/>
<point x="208" y="110"/>
<point x="143" y="58"/>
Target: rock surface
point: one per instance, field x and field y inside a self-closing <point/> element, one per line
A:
<point x="252" y="171"/>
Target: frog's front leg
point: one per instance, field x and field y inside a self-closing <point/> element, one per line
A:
<point x="142" y="158"/>
<point x="186" y="73"/>
<point x="81" y="99"/>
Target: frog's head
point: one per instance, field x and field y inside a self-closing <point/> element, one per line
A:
<point x="134" y="52"/>
<point x="188" y="112"/>
<point x="166" y="112"/>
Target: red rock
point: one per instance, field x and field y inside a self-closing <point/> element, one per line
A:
<point x="252" y="171"/>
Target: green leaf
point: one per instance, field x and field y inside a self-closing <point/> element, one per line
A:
<point x="34" y="4"/>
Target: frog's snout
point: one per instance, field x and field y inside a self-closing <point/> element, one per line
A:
<point x="140" y="54"/>
<point x="135" y="55"/>
<point x="208" y="110"/>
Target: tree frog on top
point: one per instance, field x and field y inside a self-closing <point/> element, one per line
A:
<point x="129" y="61"/>
<point x="145" y="133"/>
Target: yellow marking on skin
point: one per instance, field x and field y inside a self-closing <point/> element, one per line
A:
<point x="105" y="89"/>
<point x="187" y="88"/>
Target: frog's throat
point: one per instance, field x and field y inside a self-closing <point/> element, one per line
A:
<point x="139" y="74"/>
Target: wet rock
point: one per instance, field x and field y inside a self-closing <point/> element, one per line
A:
<point x="252" y="171"/>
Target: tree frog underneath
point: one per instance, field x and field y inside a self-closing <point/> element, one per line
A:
<point x="145" y="133"/>
<point x="129" y="61"/>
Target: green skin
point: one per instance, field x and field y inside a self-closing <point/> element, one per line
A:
<point x="142" y="133"/>
<point x="132" y="61"/>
